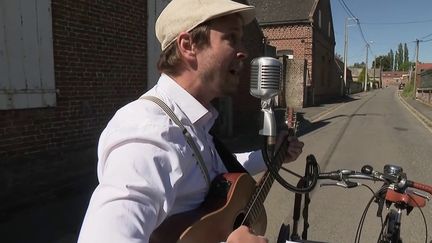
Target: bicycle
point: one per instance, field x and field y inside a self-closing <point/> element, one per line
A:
<point x="396" y="194"/>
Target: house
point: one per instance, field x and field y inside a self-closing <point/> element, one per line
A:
<point x="424" y="81"/>
<point x="81" y="62"/>
<point x="421" y="67"/>
<point x="394" y="78"/>
<point x="304" y="30"/>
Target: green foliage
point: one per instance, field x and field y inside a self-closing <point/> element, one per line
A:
<point x="384" y="62"/>
<point x="401" y="58"/>
<point x="405" y="66"/>
<point x="391" y="58"/>
<point x="359" y="65"/>
<point x="408" y="91"/>
<point x="361" y="76"/>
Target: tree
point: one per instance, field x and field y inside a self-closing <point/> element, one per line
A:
<point x="359" y="65"/>
<point x="384" y="62"/>
<point x="406" y="55"/>
<point x="391" y="58"/>
<point x="400" y="57"/>
<point x="396" y="62"/>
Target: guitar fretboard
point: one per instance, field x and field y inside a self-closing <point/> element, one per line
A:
<point x="255" y="206"/>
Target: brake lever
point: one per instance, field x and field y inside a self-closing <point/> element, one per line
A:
<point x="344" y="184"/>
<point x="420" y="194"/>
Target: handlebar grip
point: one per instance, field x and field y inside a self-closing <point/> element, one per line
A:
<point x="331" y="175"/>
<point x="420" y="186"/>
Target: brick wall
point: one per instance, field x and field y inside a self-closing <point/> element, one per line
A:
<point x="316" y="46"/>
<point x="100" y="64"/>
<point x="297" y="38"/>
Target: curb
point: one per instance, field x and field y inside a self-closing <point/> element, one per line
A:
<point x="424" y="120"/>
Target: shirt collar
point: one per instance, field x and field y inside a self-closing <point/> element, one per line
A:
<point x="191" y="107"/>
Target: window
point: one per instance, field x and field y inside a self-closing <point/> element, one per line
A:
<point x="26" y="55"/>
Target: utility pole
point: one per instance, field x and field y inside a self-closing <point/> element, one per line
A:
<point x="344" y="85"/>
<point x="344" y="88"/>
<point x="366" y="69"/>
<point x="415" y="71"/>
<point x="374" y="65"/>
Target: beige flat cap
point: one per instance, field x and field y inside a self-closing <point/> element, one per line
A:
<point x="184" y="15"/>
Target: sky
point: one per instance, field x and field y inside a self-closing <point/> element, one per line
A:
<point x="385" y="24"/>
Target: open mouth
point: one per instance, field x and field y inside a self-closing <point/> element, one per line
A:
<point x="233" y="72"/>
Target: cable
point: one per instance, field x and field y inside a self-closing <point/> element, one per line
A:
<point x="398" y="23"/>
<point x="362" y="219"/>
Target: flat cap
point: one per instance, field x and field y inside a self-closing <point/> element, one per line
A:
<point x="184" y="15"/>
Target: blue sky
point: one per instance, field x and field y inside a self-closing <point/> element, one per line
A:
<point x="385" y="23"/>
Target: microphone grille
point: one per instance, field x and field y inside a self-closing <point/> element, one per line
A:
<point x="266" y="77"/>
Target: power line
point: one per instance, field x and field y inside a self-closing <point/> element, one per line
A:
<point x="426" y="36"/>
<point x="350" y="13"/>
<point x="398" y="23"/>
<point x="347" y="10"/>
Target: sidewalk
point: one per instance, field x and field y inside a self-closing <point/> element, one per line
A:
<point x="419" y="109"/>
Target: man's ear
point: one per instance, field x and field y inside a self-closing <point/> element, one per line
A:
<point x="186" y="47"/>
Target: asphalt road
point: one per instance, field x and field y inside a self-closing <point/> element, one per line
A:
<point x="376" y="129"/>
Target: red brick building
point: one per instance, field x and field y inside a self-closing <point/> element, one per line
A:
<point x="394" y="78"/>
<point x="304" y="28"/>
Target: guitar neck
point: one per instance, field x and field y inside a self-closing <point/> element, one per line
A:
<point x="268" y="178"/>
<point x="255" y="205"/>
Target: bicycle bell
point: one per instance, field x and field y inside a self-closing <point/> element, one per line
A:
<point x="392" y="170"/>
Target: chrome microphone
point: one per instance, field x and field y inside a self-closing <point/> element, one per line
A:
<point x="266" y="77"/>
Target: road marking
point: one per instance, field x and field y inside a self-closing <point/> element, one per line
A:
<point x="423" y="120"/>
<point x="326" y="112"/>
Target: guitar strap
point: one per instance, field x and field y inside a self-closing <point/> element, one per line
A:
<point x="186" y="134"/>
<point x="230" y="161"/>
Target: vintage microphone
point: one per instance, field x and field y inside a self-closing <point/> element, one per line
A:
<point x="265" y="83"/>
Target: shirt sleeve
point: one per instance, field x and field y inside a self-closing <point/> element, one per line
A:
<point x="252" y="161"/>
<point x="134" y="196"/>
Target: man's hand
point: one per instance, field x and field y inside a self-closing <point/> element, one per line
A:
<point x="245" y="235"/>
<point x="295" y="147"/>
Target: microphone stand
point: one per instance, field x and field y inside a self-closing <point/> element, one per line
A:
<point x="269" y="127"/>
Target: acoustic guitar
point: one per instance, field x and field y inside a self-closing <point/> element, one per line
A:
<point x="234" y="199"/>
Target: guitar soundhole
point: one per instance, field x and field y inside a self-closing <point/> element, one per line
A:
<point x="238" y="221"/>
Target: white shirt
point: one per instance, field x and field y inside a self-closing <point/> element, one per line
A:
<point x="146" y="170"/>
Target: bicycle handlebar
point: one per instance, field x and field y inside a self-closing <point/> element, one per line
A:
<point x="397" y="179"/>
<point x="420" y="186"/>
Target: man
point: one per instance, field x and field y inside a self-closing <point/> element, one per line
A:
<point x="147" y="169"/>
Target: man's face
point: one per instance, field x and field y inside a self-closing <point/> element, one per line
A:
<point x="219" y="64"/>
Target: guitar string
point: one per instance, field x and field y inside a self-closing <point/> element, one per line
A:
<point x="252" y="209"/>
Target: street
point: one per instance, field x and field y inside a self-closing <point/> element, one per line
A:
<point x="375" y="129"/>
<point x="371" y="128"/>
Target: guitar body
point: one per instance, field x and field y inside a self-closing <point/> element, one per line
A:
<point x="221" y="213"/>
